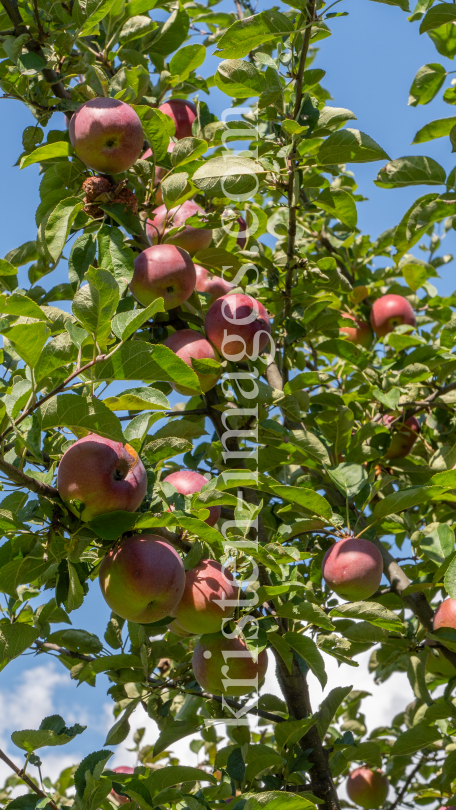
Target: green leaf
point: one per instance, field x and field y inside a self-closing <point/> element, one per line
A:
<point x="98" y="10"/>
<point x="73" y="411"/>
<point x="411" y="171"/>
<point x="307" y="498"/>
<point x="121" y="728"/>
<point x="137" y="360"/>
<point x="437" y="542"/>
<point x="245" y="35"/>
<point x="92" y="764"/>
<point x="157" y="128"/>
<point x="283" y="648"/>
<point x="52" y="732"/>
<point x="329" y="707"/>
<point x="239" y="79"/>
<point x="371" y="612"/>
<point x="307" y="612"/>
<point x="440" y="14"/>
<point x="445" y="479"/>
<point x="77" y="641"/>
<point x="415" y="276"/>
<point x="291" y="731"/>
<point x="186" y="60"/>
<point x="21" y="305"/>
<point x="309" y="651"/>
<point x="415" y="739"/>
<point x="21" y="572"/>
<point x="404" y="499"/>
<point x="173" y="32"/>
<point x="174" y="775"/>
<point x="350" y="146"/>
<point x="7" y="269"/>
<point x="388" y="398"/>
<point x="227" y="176"/>
<point x="436" y="129"/>
<point x="28" y="339"/>
<point x="49" y="151"/>
<point x="59" y="224"/>
<point x="186" y="150"/>
<point x="450" y="579"/>
<point x="348" y="478"/>
<point x="426" y="84"/>
<point x="125" y="324"/>
<point x="160" y="449"/>
<point x="403" y="4"/>
<point x="340" y="204"/>
<point x="345" y="350"/>
<point x="332" y="118"/>
<point x="75" y="596"/>
<point x="278" y="800"/>
<point x="96" y="302"/>
<point x="416" y="672"/>
<point x="15" y="639"/>
<point x="137" y="399"/>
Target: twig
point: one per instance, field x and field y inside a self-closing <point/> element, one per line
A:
<point x="405" y="787"/>
<point x="29" y="782"/>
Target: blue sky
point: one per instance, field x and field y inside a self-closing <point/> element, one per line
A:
<point x="370" y="62"/>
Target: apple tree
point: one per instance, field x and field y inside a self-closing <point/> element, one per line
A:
<point x="310" y="432"/>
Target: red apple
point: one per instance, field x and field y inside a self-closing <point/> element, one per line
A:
<point x="360" y="334"/>
<point x="183" y="113"/>
<point x="205" y="586"/>
<point x="163" y="271"/>
<point x="122" y="769"/>
<point x="106" y="135"/>
<point x="353" y="568"/>
<point x="445" y="615"/>
<point x="390" y="311"/>
<point x="187" y="482"/>
<point x="190" y="239"/>
<point x="213" y="285"/>
<point x="142" y="578"/>
<point x="368" y="789"/>
<point x="225" y="666"/>
<point x="403" y="438"/>
<point x="238" y="326"/>
<point x="103" y="474"/>
<point x="188" y="345"/>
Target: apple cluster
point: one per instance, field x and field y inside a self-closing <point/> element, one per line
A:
<point x="143" y="579"/>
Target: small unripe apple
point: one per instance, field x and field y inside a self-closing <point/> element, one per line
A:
<point x="187" y="482"/>
<point x="224" y="666"/>
<point x="188" y="345"/>
<point x="183" y="113"/>
<point x="142" y="578"/>
<point x="390" y="311"/>
<point x="163" y="271"/>
<point x="122" y="769"/>
<point x="205" y="585"/>
<point x="238" y="326"/>
<point x="445" y="615"/>
<point x="213" y="285"/>
<point x="106" y="135"/>
<point x="404" y="437"/>
<point x="103" y="474"/>
<point x="190" y="239"/>
<point x="353" y="568"/>
<point x="369" y="789"/>
<point x="361" y="334"/>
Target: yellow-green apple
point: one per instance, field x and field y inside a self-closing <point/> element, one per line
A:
<point x="106" y="135"/>
<point x="104" y="475"/>
<point x="360" y="334"/>
<point x="353" y="568"/>
<point x="160" y="172"/>
<point x="122" y="769"/>
<point x="390" y="311"/>
<point x="190" y="239"/>
<point x="224" y="666"/>
<point x="403" y="438"/>
<point x="163" y="271"/>
<point x="445" y="615"/>
<point x="238" y="326"/>
<point x="187" y="482"/>
<point x="210" y="596"/>
<point x="173" y="627"/>
<point x="142" y="578"/>
<point x="212" y="285"/>
<point x="190" y="345"/>
<point x="368" y="789"/>
<point x="183" y="113"/>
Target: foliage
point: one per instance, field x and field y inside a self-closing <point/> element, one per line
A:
<point x="312" y="464"/>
